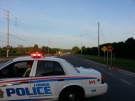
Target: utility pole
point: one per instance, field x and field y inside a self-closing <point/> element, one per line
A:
<point x="7" y="32"/>
<point x="98" y="41"/>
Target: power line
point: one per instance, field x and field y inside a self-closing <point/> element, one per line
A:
<point x="2" y="14"/>
<point x="13" y="35"/>
<point x="103" y="36"/>
<point x="54" y="38"/>
<point x="25" y="28"/>
<point x="20" y="39"/>
<point x="2" y="9"/>
<point x="10" y="42"/>
<point x="22" y="25"/>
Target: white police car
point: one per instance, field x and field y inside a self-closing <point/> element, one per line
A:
<point x="50" y="78"/>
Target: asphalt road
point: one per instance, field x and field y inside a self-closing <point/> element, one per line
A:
<point x="121" y="87"/>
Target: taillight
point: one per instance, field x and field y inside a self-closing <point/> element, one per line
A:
<point x="102" y="79"/>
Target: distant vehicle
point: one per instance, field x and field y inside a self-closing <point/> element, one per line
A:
<point x="50" y="78"/>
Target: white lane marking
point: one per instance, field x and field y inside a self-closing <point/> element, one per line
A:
<point x="110" y="74"/>
<point x="125" y="82"/>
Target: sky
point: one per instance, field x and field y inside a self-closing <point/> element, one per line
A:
<point x="66" y="23"/>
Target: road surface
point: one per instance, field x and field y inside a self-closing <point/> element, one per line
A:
<point x="121" y="87"/>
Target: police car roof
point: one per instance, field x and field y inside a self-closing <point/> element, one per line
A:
<point x="42" y="58"/>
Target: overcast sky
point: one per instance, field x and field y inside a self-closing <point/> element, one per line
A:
<point x="66" y="23"/>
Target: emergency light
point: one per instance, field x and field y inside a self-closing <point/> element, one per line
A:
<point x="36" y="55"/>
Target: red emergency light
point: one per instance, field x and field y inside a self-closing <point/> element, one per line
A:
<point x="36" y="55"/>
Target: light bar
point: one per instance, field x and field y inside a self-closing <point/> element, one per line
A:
<point x="36" y="55"/>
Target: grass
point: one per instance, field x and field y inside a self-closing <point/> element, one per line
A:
<point x="9" y="57"/>
<point x="126" y="64"/>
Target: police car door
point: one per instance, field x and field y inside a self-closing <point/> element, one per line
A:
<point x="48" y="80"/>
<point x="14" y="87"/>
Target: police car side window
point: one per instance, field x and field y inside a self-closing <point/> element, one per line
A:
<point x="49" y="68"/>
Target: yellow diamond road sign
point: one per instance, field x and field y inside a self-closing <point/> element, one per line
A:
<point x="104" y="49"/>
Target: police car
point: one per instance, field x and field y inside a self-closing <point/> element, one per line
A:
<point x="50" y="78"/>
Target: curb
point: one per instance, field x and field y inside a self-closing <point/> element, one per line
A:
<point x="122" y="71"/>
<point x="116" y="69"/>
<point x="126" y="72"/>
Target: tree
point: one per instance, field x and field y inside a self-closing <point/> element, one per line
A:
<point x="44" y="50"/>
<point x="35" y="48"/>
<point x="20" y="49"/>
<point x="83" y="49"/>
<point x="14" y="50"/>
<point x="75" y="49"/>
<point x="128" y="48"/>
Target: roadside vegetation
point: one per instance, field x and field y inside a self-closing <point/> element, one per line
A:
<point x="120" y="49"/>
<point x="121" y="63"/>
<point x="123" y="54"/>
<point x="26" y="51"/>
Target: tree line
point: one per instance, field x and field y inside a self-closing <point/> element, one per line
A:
<point x="21" y="50"/>
<point x="120" y="49"/>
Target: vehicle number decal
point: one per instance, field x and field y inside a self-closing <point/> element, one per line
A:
<point x="92" y="82"/>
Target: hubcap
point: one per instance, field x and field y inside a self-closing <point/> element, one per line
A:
<point x="72" y="97"/>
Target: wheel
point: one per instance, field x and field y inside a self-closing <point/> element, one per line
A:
<point x="71" y="95"/>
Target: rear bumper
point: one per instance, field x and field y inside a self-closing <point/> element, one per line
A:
<point x="95" y="90"/>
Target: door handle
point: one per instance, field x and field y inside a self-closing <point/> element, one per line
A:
<point x="60" y="79"/>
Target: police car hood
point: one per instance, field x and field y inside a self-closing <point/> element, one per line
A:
<point x="87" y="70"/>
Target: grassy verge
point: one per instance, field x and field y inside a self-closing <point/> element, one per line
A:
<point x="4" y="57"/>
<point x="126" y="64"/>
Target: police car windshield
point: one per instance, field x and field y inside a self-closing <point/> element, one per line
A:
<point x="4" y="64"/>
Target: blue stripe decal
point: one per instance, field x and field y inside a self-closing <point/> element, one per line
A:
<point x="30" y="99"/>
<point x="50" y="80"/>
<point x="54" y="80"/>
<point x="18" y="100"/>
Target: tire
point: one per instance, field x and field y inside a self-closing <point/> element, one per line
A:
<point x="71" y="95"/>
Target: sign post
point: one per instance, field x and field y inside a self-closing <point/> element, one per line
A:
<point x="104" y="49"/>
<point x="109" y="49"/>
<point x="107" y="59"/>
